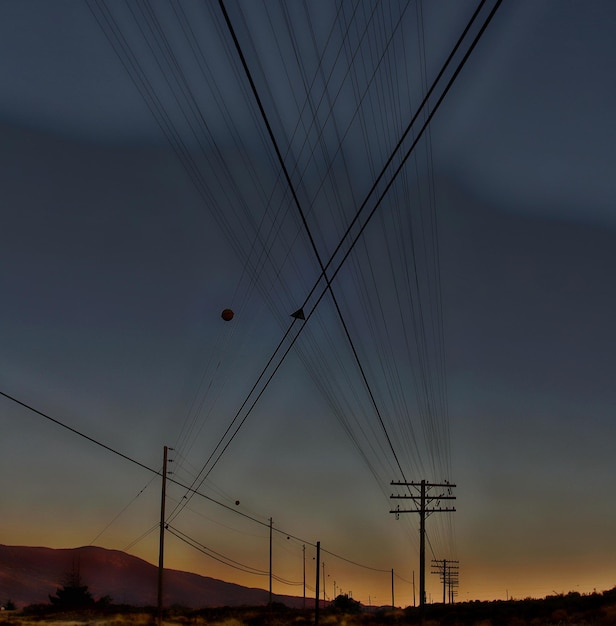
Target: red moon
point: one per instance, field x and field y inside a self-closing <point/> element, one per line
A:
<point x="227" y="315"/>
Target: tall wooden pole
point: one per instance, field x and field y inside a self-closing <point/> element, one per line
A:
<point x="422" y="545"/>
<point x="323" y="584"/>
<point x="316" y="597"/>
<point x="392" y="589"/>
<point x="444" y="580"/>
<point x="270" y="562"/>
<point x="161" y="548"/>
<point x="304" y="554"/>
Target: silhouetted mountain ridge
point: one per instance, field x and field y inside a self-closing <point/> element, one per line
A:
<point x="28" y="575"/>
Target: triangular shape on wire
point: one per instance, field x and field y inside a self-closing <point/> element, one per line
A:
<point x="298" y="315"/>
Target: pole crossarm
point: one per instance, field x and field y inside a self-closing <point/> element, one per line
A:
<point x="404" y="496"/>
<point x="418" y="484"/>
<point x="447" y="510"/>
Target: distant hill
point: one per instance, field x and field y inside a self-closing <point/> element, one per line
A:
<point x="28" y="575"/>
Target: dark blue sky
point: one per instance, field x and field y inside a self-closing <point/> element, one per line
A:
<point x="116" y="260"/>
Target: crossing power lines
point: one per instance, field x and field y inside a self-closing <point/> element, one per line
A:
<point x="349" y="107"/>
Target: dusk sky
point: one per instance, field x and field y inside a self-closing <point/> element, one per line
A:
<point x="468" y="335"/>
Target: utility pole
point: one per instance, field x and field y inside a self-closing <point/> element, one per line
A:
<point x="444" y="580"/>
<point x="453" y="580"/>
<point x="441" y="570"/>
<point x="304" y="554"/>
<point x="392" y="589"/>
<point x="161" y="547"/>
<point x="323" y="584"/>
<point x="270" y="562"/>
<point x="316" y="597"/>
<point x="448" y="571"/>
<point x="423" y="494"/>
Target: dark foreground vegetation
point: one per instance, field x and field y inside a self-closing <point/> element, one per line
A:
<point x="572" y="609"/>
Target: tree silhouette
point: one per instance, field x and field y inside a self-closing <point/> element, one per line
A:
<point x="344" y="604"/>
<point x="73" y="594"/>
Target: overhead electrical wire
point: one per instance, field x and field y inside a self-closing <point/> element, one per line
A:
<point x="138" y="76"/>
<point x="427" y="121"/>
<point x="342" y="240"/>
<point x="349" y="67"/>
<point x="367" y="281"/>
<point x="460" y="66"/>
<point x="182" y="151"/>
<point x="116" y="517"/>
<point x="170" y="479"/>
<point x="217" y="556"/>
<point x="78" y="433"/>
<point x="167" y="126"/>
<point x="323" y="381"/>
<point x="305" y="223"/>
<point x="324" y="268"/>
<point x="381" y="196"/>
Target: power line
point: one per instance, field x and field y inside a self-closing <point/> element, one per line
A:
<point x="80" y="434"/>
<point x="122" y="511"/>
<point x="364" y="204"/>
<point x="170" y="479"/>
<point x="305" y="224"/>
<point x="324" y="268"/>
<point x="217" y="556"/>
<point x="328" y="280"/>
<point x="323" y="274"/>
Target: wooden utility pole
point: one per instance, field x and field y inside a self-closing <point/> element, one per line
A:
<point x="441" y="565"/>
<point x="444" y="580"/>
<point x="161" y="547"/>
<point x="316" y="597"/>
<point x="423" y="494"/>
<point x="448" y="571"/>
<point x="270" y="563"/>
<point x="324" y="605"/>
<point x="453" y="581"/>
<point x="304" y="556"/>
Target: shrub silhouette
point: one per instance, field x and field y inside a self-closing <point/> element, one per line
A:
<point x="344" y="604"/>
<point x="73" y="594"/>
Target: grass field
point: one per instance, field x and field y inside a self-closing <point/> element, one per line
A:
<point x="562" y="610"/>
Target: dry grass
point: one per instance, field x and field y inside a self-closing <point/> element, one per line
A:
<point x="147" y="619"/>
<point x="136" y="619"/>
<point x="487" y="615"/>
